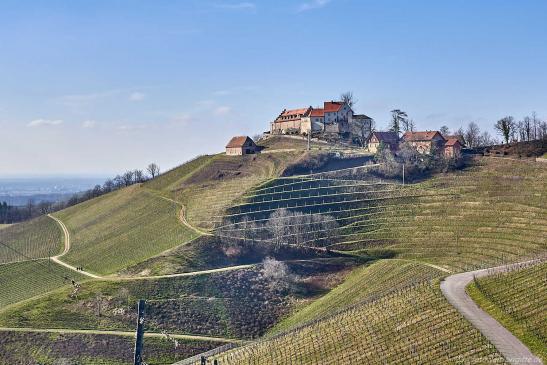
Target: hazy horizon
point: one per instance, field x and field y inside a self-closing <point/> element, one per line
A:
<point x="97" y="88"/>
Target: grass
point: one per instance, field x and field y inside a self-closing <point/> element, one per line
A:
<point x="377" y="279"/>
<point x="86" y="349"/>
<point x="23" y="280"/>
<point x="237" y="304"/>
<point x="121" y="229"/>
<point x="414" y="325"/>
<point x="38" y="238"/>
<point x="518" y="300"/>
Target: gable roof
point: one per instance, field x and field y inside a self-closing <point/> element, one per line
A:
<point x="239" y="141"/>
<point x="361" y="116"/>
<point x="293" y="114"/>
<point x="317" y="112"/>
<point x="421" y="136"/>
<point x="459" y="137"/>
<point x="387" y="137"/>
<point x="452" y="142"/>
<point x="300" y="111"/>
<point x="332" y="106"/>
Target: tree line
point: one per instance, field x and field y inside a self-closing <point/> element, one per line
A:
<point x="530" y="128"/>
<point x="12" y="214"/>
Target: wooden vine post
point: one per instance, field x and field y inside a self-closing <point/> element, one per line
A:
<point x="139" y="334"/>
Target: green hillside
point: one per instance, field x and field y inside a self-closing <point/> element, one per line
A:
<point x="518" y="300"/>
<point x="415" y="325"/>
<point x="37" y="238"/>
<point x="380" y="278"/>
<point x="121" y="229"/>
<point x="24" y="280"/>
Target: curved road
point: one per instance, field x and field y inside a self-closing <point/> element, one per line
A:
<point x="453" y="288"/>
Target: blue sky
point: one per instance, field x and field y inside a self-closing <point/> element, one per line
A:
<point x="97" y="87"/>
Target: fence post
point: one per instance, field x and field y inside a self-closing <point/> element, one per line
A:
<point x="139" y="334"/>
<point x="203" y="360"/>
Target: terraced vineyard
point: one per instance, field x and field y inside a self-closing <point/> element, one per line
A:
<point x="414" y="325"/>
<point x="38" y="238"/>
<point x="492" y="212"/>
<point x="518" y="300"/>
<point x="27" y="279"/>
<point x="122" y="228"/>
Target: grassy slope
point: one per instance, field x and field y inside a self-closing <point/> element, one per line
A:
<point x="24" y="280"/>
<point x="121" y="229"/>
<point x="239" y="304"/>
<point x="518" y="300"/>
<point x="411" y="326"/>
<point x="37" y="238"/>
<point x="55" y="349"/>
<point x="375" y="280"/>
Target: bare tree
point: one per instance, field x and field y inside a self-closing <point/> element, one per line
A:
<point x="127" y="178"/>
<point x="505" y="127"/>
<point x="348" y="98"/>
<point x="153" y="170"/>
<point x="445" y="131"/>
<point x="138" y="176"/>
<point x="362" y="129"/>
<point x="472" y="134"/>
<point x="485" y="139"/>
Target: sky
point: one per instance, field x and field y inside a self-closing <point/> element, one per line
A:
<point x="96" y="87"/>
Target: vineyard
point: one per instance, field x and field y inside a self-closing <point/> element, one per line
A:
<point x="27" y="279"/>
<point x="344" y="265"/>
<point x="121" y="229"/>
<point x="240" y="304"/>
<point x="38" y="238"/>
<point x="492" y="212"/>
<point x="413" y="325"/>
<point x="518" y="300"/>
<point x="378" y="279"/>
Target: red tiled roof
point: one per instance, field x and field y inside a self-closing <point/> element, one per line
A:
<point x="332" y="106"/>
<point x="387" y="137"/>
<point x="319" y="112"/>
<point x="238" y="141"/>
<point x="286" y="113"/>
<point x="452" y="142"/>
<point x="421" y="136"/>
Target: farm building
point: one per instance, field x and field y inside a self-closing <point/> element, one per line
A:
<point x="240" y="145"/>
<point x="452" y="148"/>
<point x="426" y="141"/>
<point x="387" y="139"/>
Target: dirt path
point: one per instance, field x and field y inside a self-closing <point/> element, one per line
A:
<point x="183" y="220"/>
<point x="120" y="333"/>
<point x="453" y="288"/>
<point x="67" y="248"/>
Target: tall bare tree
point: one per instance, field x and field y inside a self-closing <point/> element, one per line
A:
<point x="472" y="134"/>
<point x="505" y="127"/>
<point x="153" y="170"/>
<point x="348" y="98"/>
<point x="445" y="131"/>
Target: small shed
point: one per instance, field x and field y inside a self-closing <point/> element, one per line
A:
<point x="452" y="148"/>
<point x="240" y="145"/>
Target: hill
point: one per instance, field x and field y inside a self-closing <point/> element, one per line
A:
<point x="337" y="264"/>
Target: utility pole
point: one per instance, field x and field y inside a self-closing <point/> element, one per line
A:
<point x="309" y="137"/>
<point x="139" y="334"/>
<point x="403" y="174"/>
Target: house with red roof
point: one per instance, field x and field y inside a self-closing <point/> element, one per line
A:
<point x="425" y="142"/>
<point x="383" y="139"/>
<point x="240" y="145"/>
<point x="452" y="148"/>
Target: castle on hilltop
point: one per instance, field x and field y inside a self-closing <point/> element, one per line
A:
<point x="335" y="117"/>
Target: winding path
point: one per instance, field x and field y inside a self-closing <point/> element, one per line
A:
<point x="453" y="288"/>
<point x="120" y="333"/>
